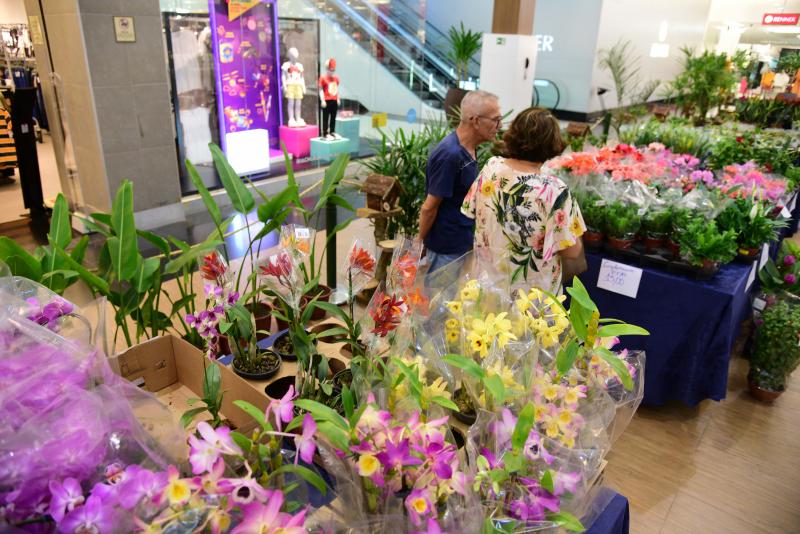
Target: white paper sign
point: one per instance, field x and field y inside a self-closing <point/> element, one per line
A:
<point x="302" y="233"/>
<point x="764" y="256"/>
<point x="759" y="304"/>
<point x="619" y="278"/>
<point x="751" y="278"/>
<point x="793" y="203"/>
<point x="785" y="213"/>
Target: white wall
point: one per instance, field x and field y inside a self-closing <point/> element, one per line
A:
<point x="639" y="21"/>
<point x="475" y="14"/>
<point x="13" y="12"/>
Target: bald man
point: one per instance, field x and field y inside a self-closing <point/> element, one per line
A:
<point x="452" y="167"/>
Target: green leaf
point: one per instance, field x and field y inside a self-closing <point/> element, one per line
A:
<point x="547" y="481"/>
<point x="444" y="401"/>
<point x="90" y="278"/>
<point x="102" y="218"/>
<point x="623" y="329"/>
<point x="341" y="202"/>
<point x="579" y="317"/>
<point x="259" y="416"/>
<point x="291" y="180"/>
<point x="495" y="386"/>
<point x="189" y="415"/>
<point x="208" y="200"/>
<point x="338" y="437"/>
<point x="182" y="303"/>
<point x="92" y="226"/>
<point x="566" y="356"/>
<point x="523" y="427"/>
<point x="241" y="197"/>
<point x="242" y="441"/>
<point x="156" y="240"/>
<point x="411" y="374"/>
<point x="333" y="175"/>
<point x="466" y="364"/>
<point x="212" y="382"/>
<point x="60" y="228"/>
<point x="322" y="413"/>
<point x="347" y="402"/>
<point x="78" y="252"/>
<point x="305" y="473"/>
<point x="194" y="253"/>
<point x="144" y="274"/>
<point x="124" y="250"/>
<point x="335" y="331"/>
<point x="618" y="365"/>
<point x="332" y="309"/>
<point x="580" y="295"/>
<point x="19" y="260"/>
<point x="567" y="521"/>
<point x="513" y="462"/>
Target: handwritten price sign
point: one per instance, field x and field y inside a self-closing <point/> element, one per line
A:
<point x="619" y="278"/>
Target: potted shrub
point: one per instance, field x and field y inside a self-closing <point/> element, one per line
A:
<point x="776" y="351"/>
<point x="622" y="221"/>
<point x="681" y="219"/>
<point x="464" y="44"/>
<point x="758" y="228"/>
<point x="705" y="246"/>
<point x="656" y="224"/>
<point x="593" y="210"/>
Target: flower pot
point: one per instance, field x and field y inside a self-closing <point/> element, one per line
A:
<point x="279" y="387"/>
<point x="460" y="397"/>
<point x="620" y="243"/>
<point x="458" y="438"/>
<point x="336" y="366"/>
<point x="592" y="239"/>
<point x="747" y="255"/>
<point x="348" y="353"/>
<point x="323" y="294"/>
<point x="268" y="365"/>
<point x="320" y="328"/>
<point x="652" y="243"/>
<point x="762" y="395"/>
<point x="262" y="312"/>
<point x="674" y="249"/>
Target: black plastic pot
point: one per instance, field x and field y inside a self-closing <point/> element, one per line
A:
<point x="265" y="375"/>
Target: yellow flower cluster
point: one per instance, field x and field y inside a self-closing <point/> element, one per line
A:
<point x="545" y="316"/>
<point x="484" y="332"/>
<point x="437" y="388"/>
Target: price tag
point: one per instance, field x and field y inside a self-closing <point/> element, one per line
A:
<point x="785" y="213"/>
<point x="764" y="256"/>
<point x="759" y="304"/>
<point x="619" y="278"/>
<point x="751" y="278"/>
<point x="302" y="233"/>
<point x="599" y="202"/>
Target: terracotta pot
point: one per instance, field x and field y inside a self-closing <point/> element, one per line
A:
<point x="762" y="395"/>
<point x="323" y="293"/>
<point x="619" y="243"/>
<point x="674" y="248"/>
<point x="652" y="244"/>
<point x="592" y="239"/>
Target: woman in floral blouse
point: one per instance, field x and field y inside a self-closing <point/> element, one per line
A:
<point x="518" y="208"/>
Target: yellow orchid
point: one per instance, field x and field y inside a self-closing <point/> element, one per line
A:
<point x="471" y="291"/>
<point x="438" y="388"/>
<point x="479" y="344"/>
<point x="367" y="465"/>
<point x="564" y="418"/>
<point x="523" y="302"/>
<point x="454" y="306"/>
<point x="550" y="392"/>
<point x="452" y="336"/>
<point x="506" y="375"/>
<point x="551" y="426"/>
<point x="452" y="324"/>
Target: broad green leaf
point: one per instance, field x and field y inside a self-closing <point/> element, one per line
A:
<point x="580" y="296"/>
<point x="567" y="521"/>
<point x="322" y="413"/>
<point x="94" y="281"/>
<point x="208" y="200"/>
<point x="622" y="330"/>
<point x="347" y="402"/>
<point x="333" y="175"/>
<point x="182" y="303"/>
<point x="60" y="228"/>
<point x="341" y="202"/>
<point x="93" y="226"/>
<point x="579" y="317"/>
<point x="241" y="197"/>
<point x="412" y="376"/>
<point x="566" y="356"/>
<point x="291" y="180"/>
<point x="102" y="218"/>
<point x="274" y="206"/>
<point x="189" y="415"/>
<point x="444" y="401"/>
<point x="523" y="427"/>
<point x="335" y="331"/>
<point x="156" y="240"/>
<point x="495" y="386"/>
<point x="618" y="365"/>
<point x="242" y="441"/>
<point x="547" y="481"/>
<point x="194" y="253"/>
<point x="332" y="309"/>
<point x="78" y="252"/>
<point x="259" y="416"/>
<point x="19" y="260"/>
<point x="212" y="382"/>
<point x="513" y="462"/>
<point x="125" y="251"/>
<point x="60" y="272"/>
<point x="466" y="364"/>
<point x="338" y="436"/>
<point x="305" y="473"/>
<point x="144" y="274"/>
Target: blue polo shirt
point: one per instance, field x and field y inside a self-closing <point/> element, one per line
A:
<point x="450" y="173"/>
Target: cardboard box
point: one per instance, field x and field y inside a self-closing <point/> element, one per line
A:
<point x="172" y="369"/>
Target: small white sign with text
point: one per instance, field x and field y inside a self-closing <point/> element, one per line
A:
<point x="619" y="278"/>
<point x="764" y="256"/>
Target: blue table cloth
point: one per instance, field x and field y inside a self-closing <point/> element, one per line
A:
<point x="693" y="325"/>
<point x="614" y="519"/>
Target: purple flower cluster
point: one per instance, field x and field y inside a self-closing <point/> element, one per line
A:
<point x="707" y="177"/>
<point x="49" y="314"/>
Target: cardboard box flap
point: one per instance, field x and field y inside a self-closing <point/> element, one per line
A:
<point x="150" y="365"/>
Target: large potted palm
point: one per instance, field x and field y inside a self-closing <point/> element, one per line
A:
<point x="464" y="44"/>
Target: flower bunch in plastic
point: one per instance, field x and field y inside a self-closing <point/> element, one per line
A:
<point x="219" y="299"/>
<point x="402" y="276"/>
<point x="359" y="268"/>
<point x="388" y="466"/>
<point x="281" y="275"/>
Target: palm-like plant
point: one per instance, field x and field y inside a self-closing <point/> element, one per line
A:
<point x="464" y="44"/>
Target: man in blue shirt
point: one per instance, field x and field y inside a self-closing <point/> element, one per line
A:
<point x="452" y="167"/>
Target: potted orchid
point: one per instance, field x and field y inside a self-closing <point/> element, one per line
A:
<point x="656" y="225"/>
<point x="776" y="351"/>
<point x="706" y="246"/>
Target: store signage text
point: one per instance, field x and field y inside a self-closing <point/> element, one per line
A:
<point x="544" y="43"/>
<point x="780" y="19"/>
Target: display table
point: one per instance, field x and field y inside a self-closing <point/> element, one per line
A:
<point x="693" y="325"/>
<point x="614" y="519"/>
<point x="322" y="148"/>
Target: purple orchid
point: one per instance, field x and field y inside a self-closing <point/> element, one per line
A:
<point x="419" y="505"/>
<point x="50" y="313"/>
<point x="305" y="442"/>
<point x="283" y="409"/>
<point x="789" y="259"/>
<point x="565" y="482"/>
<point x="790" y="278"/>
<point x="245" y="490"/>
<point x="206" y="450"/>
<point x="504" y="428"/>
<point x="267" y="517"/>
<point x="397" y="456"/>
<point x="94" y="516"/>
<point x="140" y="484"/>
<point x="65" y="497"/>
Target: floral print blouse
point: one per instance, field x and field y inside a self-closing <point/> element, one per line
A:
<point x="532" y="215"/>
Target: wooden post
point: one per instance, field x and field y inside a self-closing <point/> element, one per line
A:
<point x="513" y="16"/>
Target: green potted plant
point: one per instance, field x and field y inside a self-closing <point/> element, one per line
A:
<point x="464" y="44"/>
<point x="782" y="274"/>
<point x="776" y="350"/>
<point x="752" y="224"/>
<point x="622" y="221"/>
<point x="681" y="218"/>
<point x="706" y="246"/>
<point x="656" y="224"/>
<point x="594" y="213"/>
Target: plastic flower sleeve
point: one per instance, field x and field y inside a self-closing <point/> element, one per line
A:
<point x="401" y="274"/>
<point x="297" y="239"/>
<point x="626" y="401"/>
<point x="358" y="269"/>
<point x="281" y="274"/>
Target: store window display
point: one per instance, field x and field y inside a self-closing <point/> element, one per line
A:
<point x="329" y="100"/>
<point x="294" y="87"/>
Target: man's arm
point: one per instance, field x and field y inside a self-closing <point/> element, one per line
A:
<point x="573" y="261"/>
<point x="427" y="214"/>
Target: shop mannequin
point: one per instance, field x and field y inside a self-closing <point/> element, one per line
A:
<point x="329" y="100"/>
<point x="294" y="87"/>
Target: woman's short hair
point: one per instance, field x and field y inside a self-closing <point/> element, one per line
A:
<point x="534" y="135"/>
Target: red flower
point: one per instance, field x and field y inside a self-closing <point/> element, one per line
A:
<point x="406" y="269"/>
<point x="418" y="302"/>
<point x="280" y="267"/>
<point x="768" y="167"/>
<point x="212" y="267"/>
<point x="739" y="139"/>
<point x="362" y="260"/>
<point x="387" y="314"/>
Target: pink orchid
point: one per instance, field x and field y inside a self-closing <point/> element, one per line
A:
<point x="66" y="496"/>
<point x="305" y="442"/>
<point x="246" y="489"/>
<point x="213" y="443"/>
<point x="283" y="409"/>
<point x="261" y="518"/>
